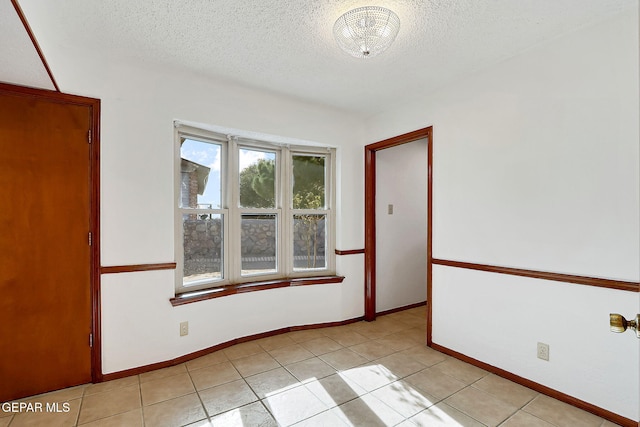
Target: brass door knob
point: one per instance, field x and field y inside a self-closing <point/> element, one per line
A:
<point x="618" y="323"/>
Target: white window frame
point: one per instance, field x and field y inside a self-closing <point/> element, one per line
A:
<point x="232" y="212"/>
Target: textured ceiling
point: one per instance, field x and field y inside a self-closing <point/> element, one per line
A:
<point x="19" y="60"/>
<point x="287" y="46"/>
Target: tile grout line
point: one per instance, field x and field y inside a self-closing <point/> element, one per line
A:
<point x="518" y="408"/>
<point x="304" y="385"/>
<point x="300" y="383"/>
<point x="204" y="408"/>
<point x="144" y="419"/>
<point x="338" y="371"/>
<point x="261" y="400"/>
<point x="84" y="390"/>
<point x="466" y="387"/>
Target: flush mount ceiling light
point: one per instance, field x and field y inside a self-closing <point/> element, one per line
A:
<point x="366" y="31"/>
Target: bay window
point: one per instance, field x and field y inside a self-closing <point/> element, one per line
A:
<point x="251" y="211"/>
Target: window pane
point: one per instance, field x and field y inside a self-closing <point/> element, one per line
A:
<point x="309" y="242"/>
<point x="258" y="244"/>
<point x="257" y="178"/>
<point x="308" y="182"/>
<point x="202" y="248"/>
<point x="200" y="184"/>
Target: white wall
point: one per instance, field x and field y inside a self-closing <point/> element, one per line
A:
<point x="139" y="104"/>
<point x="401" y="238"/>
<point x="536" y="166"/>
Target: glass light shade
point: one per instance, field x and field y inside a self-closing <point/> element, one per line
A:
<point x="366" y="31"/>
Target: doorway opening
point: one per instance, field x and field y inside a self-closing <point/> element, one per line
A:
<point x="370" y="217"/>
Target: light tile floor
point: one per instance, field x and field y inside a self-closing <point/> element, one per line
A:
<point x="361" y="374"/>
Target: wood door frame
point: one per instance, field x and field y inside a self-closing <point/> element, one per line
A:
<point x="370" y="218"/>
<point x="94" y="215"/>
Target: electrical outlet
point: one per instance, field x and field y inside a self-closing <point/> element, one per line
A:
<point x="390" y="209"/>
<point x="543" y="351"/>
<point x="184" y="328"/>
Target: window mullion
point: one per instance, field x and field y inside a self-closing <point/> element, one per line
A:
<point x="286" y="235"/>
<point x="233" y="198"/>
<point x="330" y="202"/>
<point x="178" y="244"/>
<point x="280" y="200"/>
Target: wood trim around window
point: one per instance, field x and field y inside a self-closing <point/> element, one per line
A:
<point x="370" y="217"/>
<point x="558" y="277"/>
<point x="241" y="288"/>
<point x="137" y="267"/>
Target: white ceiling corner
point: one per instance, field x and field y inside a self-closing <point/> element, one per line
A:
<point x="19" y="60"/>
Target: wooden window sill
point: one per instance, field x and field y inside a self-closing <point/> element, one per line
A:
<point x="223" y="291"/>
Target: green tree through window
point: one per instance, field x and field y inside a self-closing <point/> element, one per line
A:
<point x="256" y="184"/>
<point x="257" y="191"/>
<point x="309" y="193"/>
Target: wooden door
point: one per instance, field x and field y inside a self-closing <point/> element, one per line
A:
<point x="45" y="257"/>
